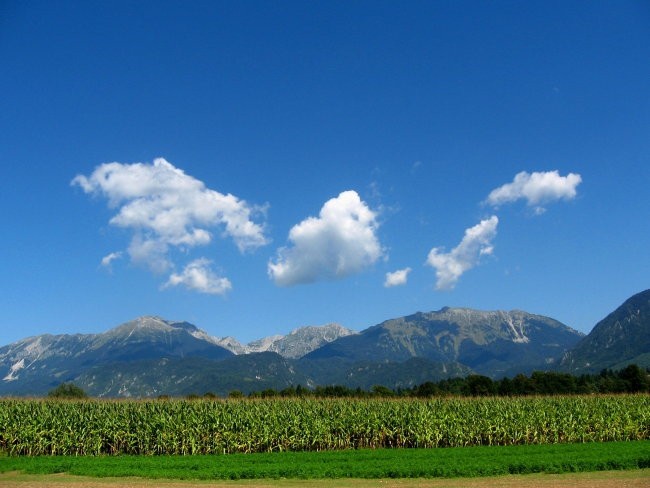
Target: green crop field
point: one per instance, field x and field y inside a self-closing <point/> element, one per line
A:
<point x="98" y="427"/>
<point x="362" y="463"/>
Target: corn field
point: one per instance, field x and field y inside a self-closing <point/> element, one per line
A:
<point x="96" y="427"/>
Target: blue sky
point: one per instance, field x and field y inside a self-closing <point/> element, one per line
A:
<point x="252" y="167"/>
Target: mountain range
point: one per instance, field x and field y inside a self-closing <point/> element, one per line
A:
<point x="151" y="356"/>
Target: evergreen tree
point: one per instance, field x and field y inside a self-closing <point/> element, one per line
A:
<point x="67" y="390"/>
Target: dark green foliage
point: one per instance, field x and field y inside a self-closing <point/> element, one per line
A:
<point x="635" y="378"/>
<point x="382" y="391"/>
<point x="67" y="390"/>
<point x="477" y="385"/>
<point x="631" y="379"/>
<point x="552" y="383"/>
<point x="338" y="391"/>
<point x="427" y="389"/>
<point x="369" y="464"/>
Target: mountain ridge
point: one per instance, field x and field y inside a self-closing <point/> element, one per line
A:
<point x="486" y="341"/>
<point x="47" y="359"/>
<point x="293" y="345"/>
<point x="149" y="355"/>
<point x="621" y="338"/>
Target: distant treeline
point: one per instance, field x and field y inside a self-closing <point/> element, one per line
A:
<point x="631" y="379"/>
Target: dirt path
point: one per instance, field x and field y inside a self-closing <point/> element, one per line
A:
<point x="606" y="479"/>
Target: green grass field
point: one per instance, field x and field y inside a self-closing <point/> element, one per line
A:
<point x="363" y="463"/>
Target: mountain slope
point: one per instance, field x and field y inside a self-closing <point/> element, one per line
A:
<point x="491" y="343"/>
<point x="183" y="376"/>
<point x="36" y="364"/>
<point x="366" y="374"/>
<point x="621" y="338"/>
<point x="252" y="372"/>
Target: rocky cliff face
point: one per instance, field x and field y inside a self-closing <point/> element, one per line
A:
<point x="294" y="345"/>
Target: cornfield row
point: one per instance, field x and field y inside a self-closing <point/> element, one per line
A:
<point x="38" y="427"/>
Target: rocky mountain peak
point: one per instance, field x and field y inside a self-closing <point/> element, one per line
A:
<point x="293" y="345"/>
<point x="490" y="342"/>
<point x="146" y="322"/>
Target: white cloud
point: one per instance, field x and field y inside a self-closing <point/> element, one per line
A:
<point x="150" y="252"/>
<point x="108" y="259"/>
<point x="537" y="189"/>
<point x="340" y="242"/>
<point x="198" y="276"/>
<point x="476" y="242"/>
<point x="164" y="207"/>
<point x="397" y="278"/>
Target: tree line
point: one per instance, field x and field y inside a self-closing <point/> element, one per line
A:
<point x="631" y="379"/>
